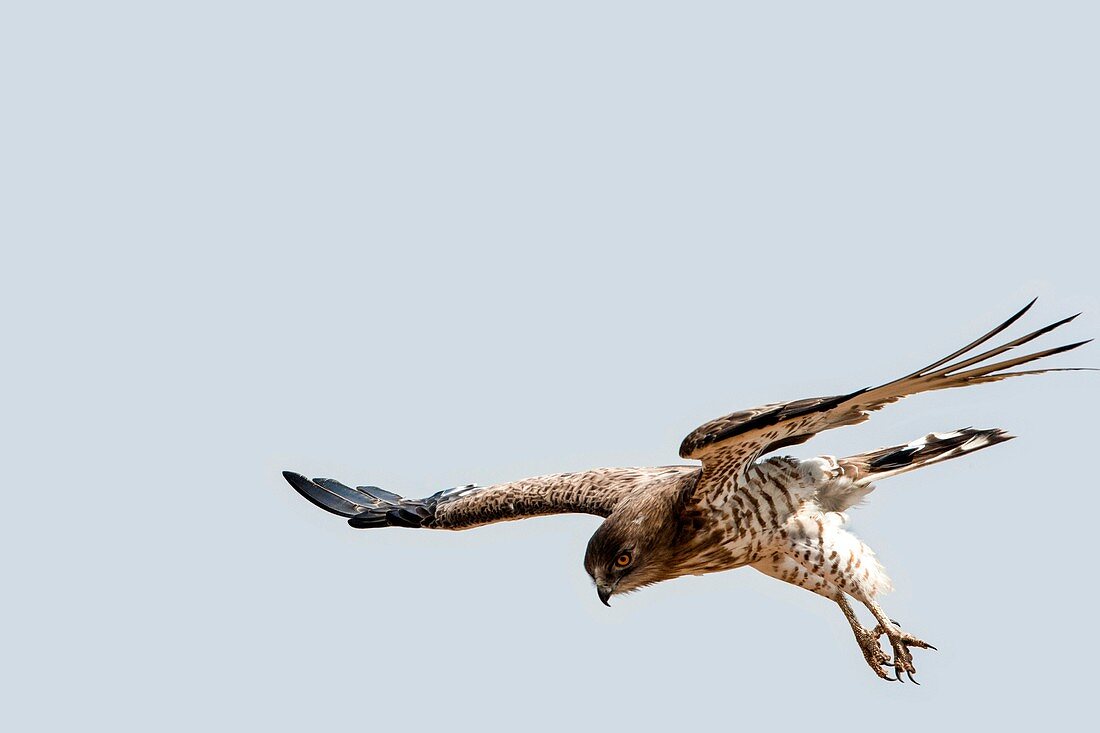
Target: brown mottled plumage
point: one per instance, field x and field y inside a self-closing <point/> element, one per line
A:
<point x="782" y="516"/>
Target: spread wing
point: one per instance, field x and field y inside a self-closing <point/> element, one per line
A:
<point x="585" y="492"/>
<point x="735" y="441"/>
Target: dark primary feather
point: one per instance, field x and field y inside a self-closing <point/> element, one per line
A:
<point x="976" y="342"/>
<point x="364" y="506"/>
<point x="343" y="500"/>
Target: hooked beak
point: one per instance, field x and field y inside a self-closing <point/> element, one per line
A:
<point x="604" y="592"/>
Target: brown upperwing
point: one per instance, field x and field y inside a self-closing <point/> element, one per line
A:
<point x="733" y="442"/>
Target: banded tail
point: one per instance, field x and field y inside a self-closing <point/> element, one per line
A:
<point x="933" y="448"/>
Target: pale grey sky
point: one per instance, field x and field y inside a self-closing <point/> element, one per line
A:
<point x="424" y="244"/>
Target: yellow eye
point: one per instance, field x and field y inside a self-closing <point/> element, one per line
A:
<point x="623" y="560"/>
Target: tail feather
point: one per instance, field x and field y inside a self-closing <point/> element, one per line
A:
<point x="931" y="449"/>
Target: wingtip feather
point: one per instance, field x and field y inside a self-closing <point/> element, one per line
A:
<point x="320" y="496"/>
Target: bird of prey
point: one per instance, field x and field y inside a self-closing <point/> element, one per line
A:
<point x="780" y="515"/>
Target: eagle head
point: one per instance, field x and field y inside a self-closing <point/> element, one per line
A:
<point x="633" y="548"/>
